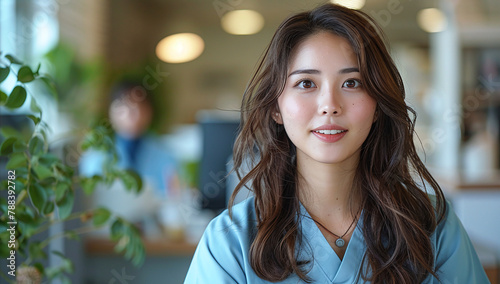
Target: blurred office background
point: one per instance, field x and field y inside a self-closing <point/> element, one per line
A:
<point x="448" y="52"/>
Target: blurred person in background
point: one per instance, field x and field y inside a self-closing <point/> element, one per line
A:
<point x="139" y="149"/>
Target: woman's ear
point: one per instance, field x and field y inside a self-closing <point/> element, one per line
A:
<point x="277" y="117"/>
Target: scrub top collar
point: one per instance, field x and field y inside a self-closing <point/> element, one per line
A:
<point x="325" y="260"/>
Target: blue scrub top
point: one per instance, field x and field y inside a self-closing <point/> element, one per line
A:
<point x="222" y="255"/>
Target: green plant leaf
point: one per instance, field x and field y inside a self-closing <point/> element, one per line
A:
<point x="42" y="171"/>
<point x="17" y="97"/>
<point x="39" y="267"/>
<point x="51" y="86"/>
<point x="88" y="141"/>
<point x="4" y="73"/>
<point x="27" y="230"/>
<point x="67" y="264"/>
<point x="68" y="171"/>
<point x="21" y="179"/>
<point x="60" y="190"/>
<point x="36" y="250"/>
<point x="34" y="106"/>
<point x="49" y="208"/>
<point x="65" y="205"/>
<point x="16" y="160"/>
<point x="62" y="172"/>
<point x="43" y="131"/>
<point x="132" y="244"/>
<point x="117" y="229"/>
<point x="8" y="131"/>
<point x="25" y="75"/>
<point x="26" y="216"/>
<point x="101" y="216"/>
<point x="140" y="254"/>
<point x="132" y="180"/>
<point x="38" y="69"/>
<point x="7" y="146"/>
<point x="35" y="145"/>
<point x="19" y="146"/>
<point x="89" y="184"/>
<point x="3" y="98"/>
<point x="48" y="159"/>
<point x="38" y="196"/>
<point x="13" y="60"/>
<point x="35" y="119"/>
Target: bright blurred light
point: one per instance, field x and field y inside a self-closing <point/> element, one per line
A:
<point x="352" y="4"/>
<point x="242" y="22"/>
<point x="179" y="48"/>
<point x="431" y="20"/>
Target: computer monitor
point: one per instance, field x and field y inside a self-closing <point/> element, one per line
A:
<point x="219" y="130"/>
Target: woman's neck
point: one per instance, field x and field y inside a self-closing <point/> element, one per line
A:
<point x="325" y="189"/>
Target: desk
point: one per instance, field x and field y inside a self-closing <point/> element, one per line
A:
<point x="154" y="247"/>
<point x="493" y="274"/>
<point x="165" y="260"/>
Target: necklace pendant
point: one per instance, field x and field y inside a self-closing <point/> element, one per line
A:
<point x="339" y="242"/>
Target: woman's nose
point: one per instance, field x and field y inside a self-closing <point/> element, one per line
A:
<point x="329" y="103"/>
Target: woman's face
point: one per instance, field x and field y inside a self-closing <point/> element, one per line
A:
<point x="325" y="110"/>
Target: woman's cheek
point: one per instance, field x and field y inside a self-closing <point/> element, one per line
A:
<point x="295" y="109"/>
<point x="365" y="110"/>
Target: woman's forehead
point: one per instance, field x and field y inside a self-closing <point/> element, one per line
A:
<point x="322" y="50"/>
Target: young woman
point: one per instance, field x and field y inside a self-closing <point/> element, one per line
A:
<point x="340" y="195"/>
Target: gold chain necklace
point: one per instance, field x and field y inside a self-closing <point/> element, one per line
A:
<point x="340" y="241"/>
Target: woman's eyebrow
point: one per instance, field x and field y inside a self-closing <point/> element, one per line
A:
<point x="315" y="71"/>
<point x="304" y="71"/>
<point x="349" y="70"/>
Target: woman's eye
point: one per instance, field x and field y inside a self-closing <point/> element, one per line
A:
<point x="352" y="83"/>
<point x="305" y="84"/>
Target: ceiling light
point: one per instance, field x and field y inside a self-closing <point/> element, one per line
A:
<point x="431" y="20"/>
<point x="242" y="22"/>
<point x="352" y="4"/>
<point x="179" y="48"/>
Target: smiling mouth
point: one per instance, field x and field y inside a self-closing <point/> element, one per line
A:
<point x="329" y="132"/>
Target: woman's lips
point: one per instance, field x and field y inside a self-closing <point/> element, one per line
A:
<point x="329" y="133"/>
<point x="329" y="136"/>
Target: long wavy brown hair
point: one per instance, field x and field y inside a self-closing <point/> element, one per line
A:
<point x="398" y="214"/>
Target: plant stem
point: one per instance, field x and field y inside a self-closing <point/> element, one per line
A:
<point x="24" y="193"/>
<point x="45" y="243"/>
<point x="22" y="196"/>
<point x="47" y="225"/>
<point x="78" y="231"/>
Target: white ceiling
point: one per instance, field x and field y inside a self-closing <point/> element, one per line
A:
<point x="397" y="16"/>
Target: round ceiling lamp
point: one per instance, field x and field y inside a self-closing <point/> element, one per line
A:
<point x="352" y="4"/>
<point x="432" y="20"/>
<point x="180" y="48"/>
<point x="242" y="22"/>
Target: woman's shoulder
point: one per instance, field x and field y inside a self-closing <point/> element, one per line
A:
<point x="444" y="210"/>
<point x="222" y="253"/>
<point x="241" y="224"/>
<point x="453" y="248"/>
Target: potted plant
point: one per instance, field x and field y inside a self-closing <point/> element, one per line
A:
<point x="39" y="189"/>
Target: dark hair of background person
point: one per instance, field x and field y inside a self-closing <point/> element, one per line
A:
<point x="398" y="214"/>
<point x="124" y="89"/>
